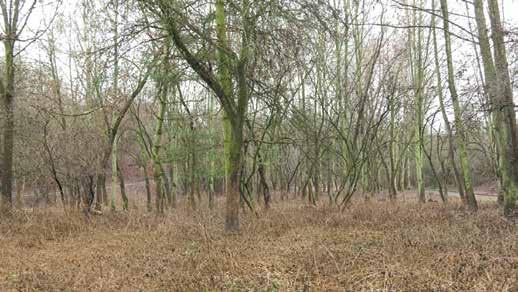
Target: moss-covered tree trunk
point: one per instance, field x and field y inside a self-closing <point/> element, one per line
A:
<point x="12" y="16"/>
<point x="234" y="112"/>
<point x="417" y="67"/>
<point x="498" y="88"/>
<point x="500" y="96"/>
<point x="460" y="136"/>
<point x="122" y="186"/>
<point x="232" y="131"/>
<point x="7" y="90"/>
<point x="234" y="106"/>
<point x="158" y="174"/>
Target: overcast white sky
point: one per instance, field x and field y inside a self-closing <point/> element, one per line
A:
<point x="68" y="8"/>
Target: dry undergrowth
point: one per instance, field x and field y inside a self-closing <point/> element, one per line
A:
<point x="290" y="248"/>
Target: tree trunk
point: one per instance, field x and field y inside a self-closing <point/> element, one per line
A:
<point x="125" y="201"/>
<point x="262" y="180"/>
<point x="502" y="105"/>
<point x="417" y="67"/>
<point x="451" y="148"/>
<point x="8" y="128"/>
<point x="506" y="106"/>
<point x="232" y="198"/>
<point x="114" y="174"/>
<point x="148" y="190"/>
<point x="460" y="134"/>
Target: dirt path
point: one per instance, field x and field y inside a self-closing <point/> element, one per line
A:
<point x="479" y="196"/>
<point x="433" y="194"/>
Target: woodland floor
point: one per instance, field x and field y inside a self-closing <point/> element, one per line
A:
<point x="292" y="247"/>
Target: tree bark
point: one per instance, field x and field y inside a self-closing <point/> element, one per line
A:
<point x="502" y="106"/>
<point x="460" y="133"/>
<point x="8" y="128"/>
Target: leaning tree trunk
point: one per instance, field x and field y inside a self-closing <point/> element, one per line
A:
<point x="460" y="134"/>
<point x="447" y="125"/>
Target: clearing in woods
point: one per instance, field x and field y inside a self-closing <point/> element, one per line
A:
<point x="292" y="247"/>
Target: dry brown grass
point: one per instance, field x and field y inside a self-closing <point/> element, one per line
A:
<point x="290" y="248"/>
